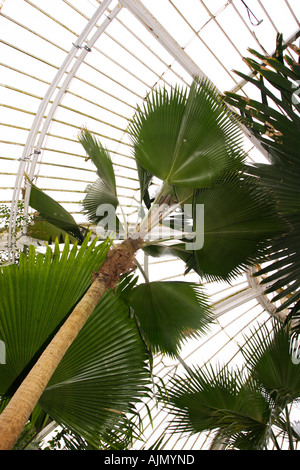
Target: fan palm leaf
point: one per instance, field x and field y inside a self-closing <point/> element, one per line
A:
<point x="269" y="360"/>
<point x="104" y="372"/>
<point x="168" y="312"/>
<point x="186" y="139"/>
<point x="241" y="406"/>
<point x="219" y="400"/>
<point x="101" y="196"/>
<point x="240" y="220"/>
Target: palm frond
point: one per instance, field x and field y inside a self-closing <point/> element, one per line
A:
<point x="268" y="357"/>
<point x="218" y="399"/>
<point x="36" y="296"/>
<point x="169" y="312"/>
<point x="102" y="194"/>
<point x="100" y="158"/>
<point x="186" y="138"/>
<point x="104" y="372"/>
<point x="275" y="121"/>
<point x="240" y="221"/>
<point x="53" y="213"/>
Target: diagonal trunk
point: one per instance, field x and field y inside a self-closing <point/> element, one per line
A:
<point x="14" y="417"/>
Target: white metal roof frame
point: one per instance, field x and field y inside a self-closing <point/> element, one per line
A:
<point x="34" y="143"/>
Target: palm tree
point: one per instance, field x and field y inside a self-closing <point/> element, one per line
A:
<point x="275" y="121"/>
<point x="65" y="317"/>
<point x="244" y="408"/>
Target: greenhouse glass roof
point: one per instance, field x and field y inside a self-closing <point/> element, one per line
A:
<point x="72" y="64"/>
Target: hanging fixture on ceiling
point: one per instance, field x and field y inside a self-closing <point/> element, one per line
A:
<point x="252" y="15"/>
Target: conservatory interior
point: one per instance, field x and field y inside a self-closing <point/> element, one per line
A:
<point x="150" y="225"/>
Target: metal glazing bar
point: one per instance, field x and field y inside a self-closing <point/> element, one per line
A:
<point x="215" y="334"/>
<point x="268" y="16"/>
<point x="77" y="78"/>
<point x="57" y="165"/>
<point x="162" y="36"/>
<point x="221" y="29"/>
<point x="67" y="81"/>
<point x="63" y="25"/>
<point x="130" y="72"/>
<point x="105" y="91"/>
<point x="197" y="33"/>
<point x="98" y="105"/>
<point x="292" y="12"/>
<point x="121" y="45"/>
<point x="138" y="38"/>
<point x="112" y="79"/>
<point x="24" y="73"/>
<point x="168" y="42"/>
<point x="33" y="32"/>
<point x="250" y="31"/>
<point x="28" y="53"/>
<point x="233" y="301"/>
<point x="62" y="151"/>
<point x="67" y="108"/>
<point x="38" y="118"/>
<point x="70" y="125"/>
<point x="96" y="133"/>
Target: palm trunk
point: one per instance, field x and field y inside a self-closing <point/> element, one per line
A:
<point x="16" y="414"/>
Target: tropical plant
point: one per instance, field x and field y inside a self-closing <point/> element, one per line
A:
<point x="4" y="225"/>
<point x="275" y="121"/>
<point x="39" y="293"/>
<point x="245" y="408"/>
<point x="71" y="339"/>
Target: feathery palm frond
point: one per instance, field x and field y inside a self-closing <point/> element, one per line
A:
<point x="275" y="121"/>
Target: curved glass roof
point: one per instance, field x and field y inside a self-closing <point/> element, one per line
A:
<point x="69" y="64"/>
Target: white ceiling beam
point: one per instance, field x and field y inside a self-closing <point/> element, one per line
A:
<point x="162" y="36"/>
<point x="176" y="51"/>
<point x="31" y="149"/>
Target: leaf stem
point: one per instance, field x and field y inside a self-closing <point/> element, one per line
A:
<point x="142" y="271"/>
<point x="289" y="429"/>
<point x="145" y="221"/>
<point x="275" y="440"/>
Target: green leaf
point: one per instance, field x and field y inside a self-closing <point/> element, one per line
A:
<point x="36" y="296"/>
<point x="103" y="374"/>
<point x="279" y="81"/>
<point x="145" y="179"/>
<point x="217" y="399"/>
<point x="268" y="357"/>
<point x="240" y="219"/>
<point x="186" y="139"/>
<point x="101" y="159"/>
<point x="279" y="135"/>
<point x="103" y="192"/>
<point x="282" y="273"/>
<point x="51" y="211"/>
<point x="42" y="230"/>
<point x="169" y="312"/>
<point x="99" y="206"/>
